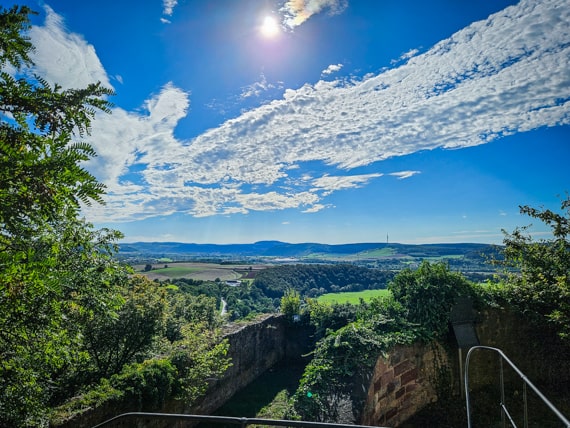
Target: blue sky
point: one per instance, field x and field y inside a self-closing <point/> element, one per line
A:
<point x="328" y="121"/>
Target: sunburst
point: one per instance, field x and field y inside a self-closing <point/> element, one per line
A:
<point x="269" y="28"/>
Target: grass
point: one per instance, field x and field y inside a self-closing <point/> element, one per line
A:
<point x="176" y="271"/>
<point x="445" y="257"/>
<point x="381" y="252"/>
<point x="193" y="270"/>
<point x="266" y="397"/>
<point x="353" y="297"/>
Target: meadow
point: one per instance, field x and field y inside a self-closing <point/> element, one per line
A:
<point x="353" y="297"/>
<point x="199" y="271"/>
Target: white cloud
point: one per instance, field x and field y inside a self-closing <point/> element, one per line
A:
<point x="406" y="56"/>
<point x="330" y="184"/>
<point x="333" y="68"/>
<point x="500" y="76"/>
<point x="123" y="138"/>
<point x="316" y="208"/>
<point x="298" y="11"/>
<point x="65" y="58"/>
<point x="257" y="88"/>
<point x="168" y="6"/>
<point x="404" y="174"/>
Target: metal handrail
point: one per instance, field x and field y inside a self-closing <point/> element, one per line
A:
<point x="504" y="411"/>
<point x="243" y="422"/>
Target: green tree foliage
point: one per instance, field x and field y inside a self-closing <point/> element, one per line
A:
<point x="54" y="268"/>
<point x="329" y="317"/>
<point x="186" y="309"/>
<point x="291" y="304"/>
<point x="69" y="312"/>
<point x="538" y="272"/>
<point x="428" y="294"/>
<point x="314" y="280"/>
<point x="345" y="357"/>
<point x="115" y="339"/>
<point x="243" y="301"/>
<point x="199" y="358"/>
<point x="184" y="373"/>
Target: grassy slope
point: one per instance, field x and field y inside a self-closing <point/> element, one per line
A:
<point x="352" y="296"/>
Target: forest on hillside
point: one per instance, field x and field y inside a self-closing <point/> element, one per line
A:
<point x="316" y="279"/>
<point x="264" y="293"/>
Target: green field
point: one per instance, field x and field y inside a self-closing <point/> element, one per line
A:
<point x="176" y="271"/>
<point x="353" y="296"/>
<point x="194" y="270"/>
<point x="380" y="252"/>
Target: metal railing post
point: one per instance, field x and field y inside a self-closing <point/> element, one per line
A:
<point x="502" y="378"/>
<point x="526" y="381"/>
<point x="525" y="406"/>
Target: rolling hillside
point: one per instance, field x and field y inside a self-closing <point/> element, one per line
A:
<point x="277" y="249"/>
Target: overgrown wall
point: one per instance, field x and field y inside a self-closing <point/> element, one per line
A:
<point x="403" y="383"/>
<point x="254" y="348"/>
<point x="409" y="378"/>
<point x="537" y="352"/>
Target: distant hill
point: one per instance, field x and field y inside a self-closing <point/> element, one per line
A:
<point x="308" y="250"/>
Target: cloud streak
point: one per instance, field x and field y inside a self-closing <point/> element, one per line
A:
<point x="298" y="11"/>
<point x="503" y="75"/>
<point x="401" y="175"/>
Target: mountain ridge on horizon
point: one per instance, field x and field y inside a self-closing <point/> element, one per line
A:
<point x="275" y="248"/>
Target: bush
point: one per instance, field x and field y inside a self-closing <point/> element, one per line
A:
<point x="147" y="384"/>
<point x="345" y="357"/>
<point x="538" y="272"/>
<point x="428" y="294"/>
<point x="291" y="304"/>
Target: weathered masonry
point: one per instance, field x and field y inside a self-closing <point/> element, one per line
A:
<point x="401" y="384"/>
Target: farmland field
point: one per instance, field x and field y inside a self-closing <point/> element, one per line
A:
<point x="198" y="271"/>
<point x="352" y="296"/>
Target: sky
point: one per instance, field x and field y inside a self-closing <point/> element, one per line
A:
<point x="331" y="121"/>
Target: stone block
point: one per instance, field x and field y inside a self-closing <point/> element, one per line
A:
<point x="402" y="367"/>
<point x="409" y="376"/>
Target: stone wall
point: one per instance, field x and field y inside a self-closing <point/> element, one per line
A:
<point x="533" y="350"/>
<point x="407" y="379"/>
<point x="254" y="348"/>
<point x="403" y="383"/>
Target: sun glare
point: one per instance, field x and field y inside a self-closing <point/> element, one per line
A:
<point x="270" y="27"/>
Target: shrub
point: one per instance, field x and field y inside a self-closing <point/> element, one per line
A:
<point x="147" y="384"/>
<point x="428" y="294"/>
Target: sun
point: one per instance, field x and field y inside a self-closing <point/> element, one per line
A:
<point x="269" y="28"/>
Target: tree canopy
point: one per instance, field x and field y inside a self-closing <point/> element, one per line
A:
<point x="538" y="271"/>
<point x="71" y="316"/>
<point x="54" y="267"/>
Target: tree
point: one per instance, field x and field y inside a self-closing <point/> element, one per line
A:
<point x="428" y="294"/>
<point x="114" y="340"/>
<point x="540" y="282"/>
<point x="55" y="270"/>
<point x="291" y="303"/>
